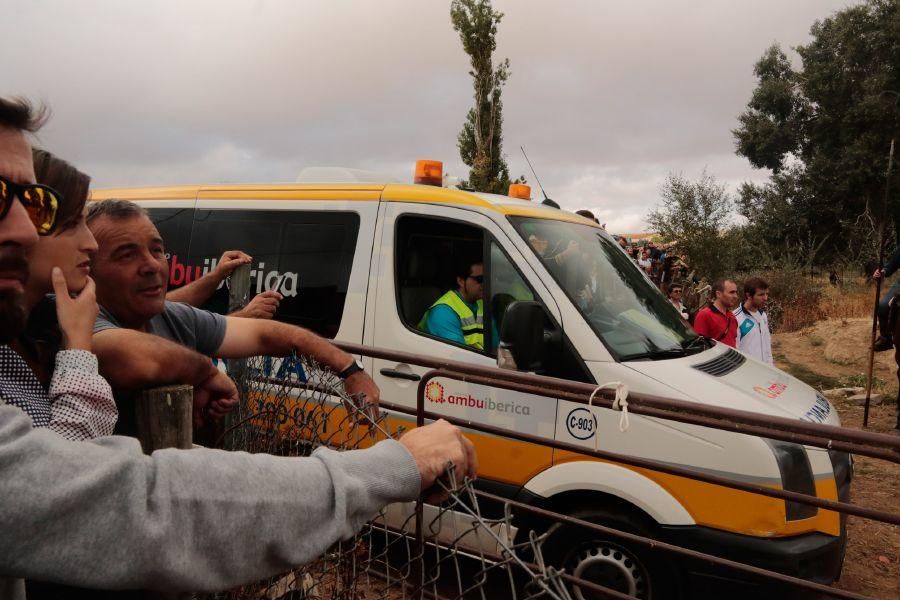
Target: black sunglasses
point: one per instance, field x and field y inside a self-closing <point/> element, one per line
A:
<point x="40" y="201"/>
<point x="478" y="278"/>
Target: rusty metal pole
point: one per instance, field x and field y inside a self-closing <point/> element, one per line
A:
<point x="238" y="296"/>
<point x="887" y="192"/>
<point x="418" y="568"/>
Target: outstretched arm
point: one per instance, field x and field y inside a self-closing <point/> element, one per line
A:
<point x="252" y="337"/>
<point x="132" y="360"/>
<point x="173" y="517"/>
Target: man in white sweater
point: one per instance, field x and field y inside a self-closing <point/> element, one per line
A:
<point x="102" y="515"/>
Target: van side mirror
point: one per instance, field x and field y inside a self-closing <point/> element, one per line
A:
<point x="522" y="337"/>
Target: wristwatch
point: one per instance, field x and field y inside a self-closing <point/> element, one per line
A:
<point x="355" y="367"/>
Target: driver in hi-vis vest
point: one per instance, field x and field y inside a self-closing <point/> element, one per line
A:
<point x="458" y="315"/>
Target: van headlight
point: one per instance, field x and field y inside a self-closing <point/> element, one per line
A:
<point x="796" y="476"/>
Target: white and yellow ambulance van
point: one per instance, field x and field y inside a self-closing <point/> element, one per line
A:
<point x="363" y="262"/>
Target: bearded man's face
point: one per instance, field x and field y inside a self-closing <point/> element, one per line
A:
<point x="17" y="234"/>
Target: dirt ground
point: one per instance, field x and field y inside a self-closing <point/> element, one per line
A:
<point x="832" y="354"/>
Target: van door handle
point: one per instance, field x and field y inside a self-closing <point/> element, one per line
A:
<point x="400" y="374"/>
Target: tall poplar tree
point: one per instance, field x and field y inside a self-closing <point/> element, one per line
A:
<point x="481" y="139"/>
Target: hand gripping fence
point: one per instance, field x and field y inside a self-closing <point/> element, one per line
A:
<point x="476" y="544"/>
<point x="308" y="409"/>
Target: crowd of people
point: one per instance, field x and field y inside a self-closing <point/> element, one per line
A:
<point x="735" y="319"/>
<point x="662" y="263"/>
<point x="83" y="508"/>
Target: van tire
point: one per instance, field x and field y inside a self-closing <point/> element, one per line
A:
<point x="626" y="567"/>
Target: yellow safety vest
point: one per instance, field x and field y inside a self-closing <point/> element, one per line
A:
<point x="472" y="324"/>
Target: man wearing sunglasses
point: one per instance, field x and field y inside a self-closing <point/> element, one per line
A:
<point x="100" y="514"/>
<point x="458" y="315"/>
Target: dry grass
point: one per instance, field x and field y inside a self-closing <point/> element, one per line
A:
<point x="800" y="301"/>
<point x="848" y="302"/>
<point x="801" y="312"/>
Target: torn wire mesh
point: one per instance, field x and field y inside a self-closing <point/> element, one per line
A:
<point x="290" y="407"/>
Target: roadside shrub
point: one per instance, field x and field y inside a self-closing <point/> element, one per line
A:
<point x="794" y="299"/>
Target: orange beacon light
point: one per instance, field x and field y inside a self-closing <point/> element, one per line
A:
<point x="520" y="191"/>
<point x="429" y="172"/>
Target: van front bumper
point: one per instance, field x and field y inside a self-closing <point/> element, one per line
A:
<point x="815" y="556"/>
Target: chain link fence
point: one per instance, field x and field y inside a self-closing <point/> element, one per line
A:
<point x="291" y="407"/>
<point x="475" y="544"/>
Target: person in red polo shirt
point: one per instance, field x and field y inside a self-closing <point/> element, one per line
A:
<point x="716" y="321"/>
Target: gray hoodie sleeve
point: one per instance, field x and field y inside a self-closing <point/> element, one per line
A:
<point x="101" y="514"/>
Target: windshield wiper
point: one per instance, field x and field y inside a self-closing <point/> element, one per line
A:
<point x="698" y="343"/>
<point x="655" y="354"/>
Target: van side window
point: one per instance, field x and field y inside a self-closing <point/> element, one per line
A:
<point x="174" y="225"/>
<point x="313" y="250"/>
<point x="506" y="286"/>
<point x="429" y="254"/>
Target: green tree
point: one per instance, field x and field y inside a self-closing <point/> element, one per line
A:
<point x="697" y="216"/>
<point x="481" y="140"/>
<point x="828" y="125"/>
<point x="778" y="228"/>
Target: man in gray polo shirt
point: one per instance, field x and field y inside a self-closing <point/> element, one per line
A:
<point x="132" y="274"/>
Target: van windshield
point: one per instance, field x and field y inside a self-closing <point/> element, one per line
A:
<point x="624" y="308"/>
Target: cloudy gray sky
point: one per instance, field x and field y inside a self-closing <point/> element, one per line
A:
<point x="606" y="96"/>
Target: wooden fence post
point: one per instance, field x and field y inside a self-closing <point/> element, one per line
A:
<point x="164" y="418"/>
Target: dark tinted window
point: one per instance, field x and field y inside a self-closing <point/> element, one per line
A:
<point x="314" y="250"/>
<point x="174" y="225"/>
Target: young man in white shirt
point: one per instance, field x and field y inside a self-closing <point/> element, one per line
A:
<point x="754" y="338"/>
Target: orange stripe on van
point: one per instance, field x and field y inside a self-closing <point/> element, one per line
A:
<point x="730" y="509"/>
<point x="514" y="462"/>
<point x="500" y="459"/>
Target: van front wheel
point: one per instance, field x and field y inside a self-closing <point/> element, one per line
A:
<point x="626" y="567"/>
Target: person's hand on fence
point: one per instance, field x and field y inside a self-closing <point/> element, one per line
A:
<point x="361" y="386"/>
<point x="437" y="445"/>
<point x="262" y="306"/>
<point x="877" y="274"/>
<point x="229" y="261"/>
<point x="76" y="314"/>
<point x="216" y="396"/>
